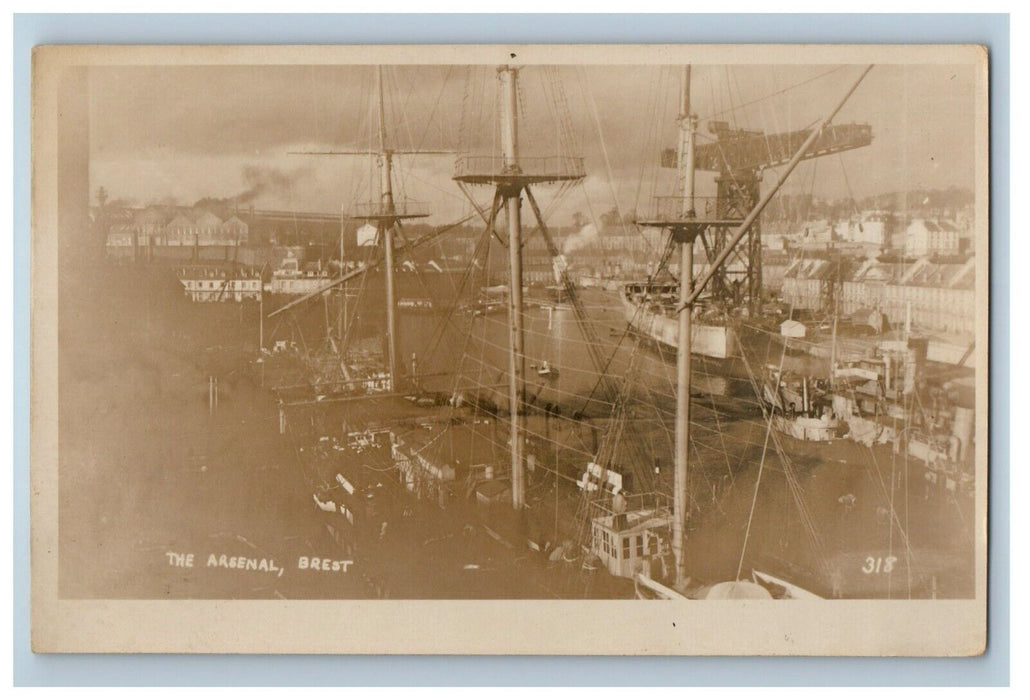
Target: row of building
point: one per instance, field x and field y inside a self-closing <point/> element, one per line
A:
<point x="934" y="296"/>
<point x="914" y="237"/>
<point x="174" y="226"/>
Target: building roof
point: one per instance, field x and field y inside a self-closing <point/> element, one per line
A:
<point x="934" y="225"/>
<point x="810" y="268"/>
<point x="206" y="219"/>
<point x="152" y="215"/>
<point x="924" y="272"/>
<point x="181" y="221"/>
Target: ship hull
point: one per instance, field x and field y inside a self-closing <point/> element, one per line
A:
<point x="715" y="341"/>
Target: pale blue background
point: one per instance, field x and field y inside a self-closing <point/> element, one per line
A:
<point x="991" y="30"/>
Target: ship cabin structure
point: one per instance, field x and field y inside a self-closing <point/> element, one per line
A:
<point x="630" y="543"/>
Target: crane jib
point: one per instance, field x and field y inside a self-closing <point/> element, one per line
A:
<point x="739" y="150"/>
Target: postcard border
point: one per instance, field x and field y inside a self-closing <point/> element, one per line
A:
<point x="996" y="302"/>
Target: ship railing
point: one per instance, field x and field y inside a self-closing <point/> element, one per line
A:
<point x="656" y="501"/>
<point x="551" y="167"/>
<point x="401" y="208"/>
<point x="686" y="209"/>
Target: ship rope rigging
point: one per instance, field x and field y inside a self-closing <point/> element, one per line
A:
<point x="796" y="491"/>
<point x="714" y="262"/>
<point x="619" y="400"/>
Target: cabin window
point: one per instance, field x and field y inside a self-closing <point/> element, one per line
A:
<point x="626" y="546"/>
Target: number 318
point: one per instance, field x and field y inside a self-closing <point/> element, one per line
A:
<point x="877" y="565"/>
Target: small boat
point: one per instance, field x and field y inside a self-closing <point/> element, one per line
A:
<point x="416" y="304"/>
<point x="546" y="370"/>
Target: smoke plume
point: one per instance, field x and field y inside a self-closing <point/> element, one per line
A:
<point x="582" y="238"/>
<point x="262" y="180"/>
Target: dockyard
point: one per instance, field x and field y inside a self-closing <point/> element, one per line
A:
<point x="669" y="405"/>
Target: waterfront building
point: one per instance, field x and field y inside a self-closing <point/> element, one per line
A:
<point x="935" y="296"/>
<point x="927" y="237"/>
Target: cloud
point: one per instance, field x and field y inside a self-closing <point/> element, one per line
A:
<point x="192" y="131"/>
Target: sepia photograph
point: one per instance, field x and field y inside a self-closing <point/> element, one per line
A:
<point x="525" y="349"/>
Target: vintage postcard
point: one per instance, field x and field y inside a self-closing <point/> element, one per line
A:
<point x="510" y="349"/>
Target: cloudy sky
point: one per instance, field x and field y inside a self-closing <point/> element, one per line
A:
<point x="183" y="133"/>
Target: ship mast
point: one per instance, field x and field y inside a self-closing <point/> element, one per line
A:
<point x="688" y="130"/>
<point x="516" y="356"/>
<point x="511" y="176"/>
<point x="685" y="226"/>
<point x="385" y="224"/>
<point x="386" y="215"/>
<point x="678" y="214"/>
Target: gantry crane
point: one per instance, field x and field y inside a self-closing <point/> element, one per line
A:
<point x="739" y="156"/>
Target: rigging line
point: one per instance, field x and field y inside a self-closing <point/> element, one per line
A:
<point x="735" y="75"/>
<point x="470" y="269"/>
<point x="468" y="334"/>
<point x="562" y="419"/>
<point x="418" y="271"/>
<point x="729" y="96"/>
<point x="432" y="111"/>
<point x="711" y="91"/>
<point x="883" y="489"/>
<point x="429" y="122"/>
<point x="592" y="342"/>
<point x="626" y="331"/>
<point x="551" y="389"/>
<point x="890" y="530"/>
<point x="649" y="138"/>
<point x="464" y="109"/>
<point x="778" y="92"/>
<point x="572" y="145"/>
<point x="894" y="516"/>
<point x="544" y="75"/>
<point x="650" y="481"/>
<point x="405" y="122"/>
<point x="448" y="320"/>
<point x="666" y="98"/>
<point x="718" y="427"/>
<point x="851" y="195"/>
<point x="645" y="477"/>
<point x="502" y="448"/>
<point x="458" y="376"/>
<point x="566" y="141"/>
<point x="761" y="464"/>
<point x="797" y="493"/>
<point x="604" y="147"/>
<point x="345" y="341"/>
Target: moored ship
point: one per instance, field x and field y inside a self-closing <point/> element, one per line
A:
<point x="650" y="310"/>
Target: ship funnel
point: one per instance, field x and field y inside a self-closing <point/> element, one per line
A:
<point x="560" y="265"/>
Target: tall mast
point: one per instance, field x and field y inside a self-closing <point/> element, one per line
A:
<point x="511" y="176"/>
<point x="386" y="214"/>
<point x="685" y="226"/>
<point x="343" y="290"/>
<point x="516" y="355"/>
<point x="385" y="225"/>
<point x="688" y="128"/>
